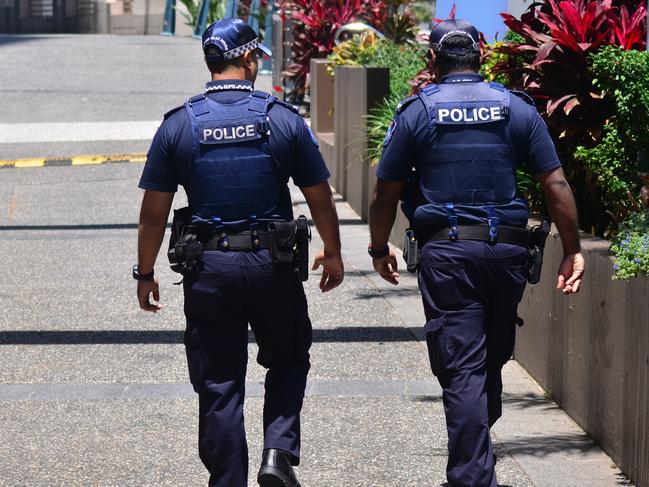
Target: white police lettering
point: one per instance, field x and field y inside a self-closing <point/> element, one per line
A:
<point x="229" y="133"/>
<point x="469" y="115"/>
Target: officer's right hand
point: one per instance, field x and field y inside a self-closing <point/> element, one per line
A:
<point x="571" y="271"/>
<point x="387" y="267"/>
<point x="333" y="270"/>
<point x="144" y="291"/>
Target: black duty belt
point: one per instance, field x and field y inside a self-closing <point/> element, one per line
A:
<point x="506" y="234"/>
<point x="241" y="241"/>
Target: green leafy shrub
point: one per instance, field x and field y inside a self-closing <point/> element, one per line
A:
<point x="631" y="247"/>
<point x="624" y="77"/>
<point x="217" y="11"/>
<point x="366" y="50"/>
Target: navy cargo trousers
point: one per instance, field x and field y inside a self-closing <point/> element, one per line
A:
<point x="235" y="289"/>
<point x="471" y="292"/>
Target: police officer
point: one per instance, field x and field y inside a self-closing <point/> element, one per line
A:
<point x="458" y="144"/>
<point x="233" y="149"/>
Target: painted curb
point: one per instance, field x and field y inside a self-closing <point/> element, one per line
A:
<point x="72" y="161"/>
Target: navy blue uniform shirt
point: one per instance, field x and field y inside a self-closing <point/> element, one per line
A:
<point x="291" y="142"/>
<point x="409" y="133"/>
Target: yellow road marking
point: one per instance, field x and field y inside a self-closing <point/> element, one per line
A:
<point x="83" y="160"/>
<point x="29" y="162"/>
<point x="75" y="161"/>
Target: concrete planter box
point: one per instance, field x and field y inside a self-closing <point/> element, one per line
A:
<point x="356" y="91"/>
<point x="591" y="352"/>
<point x="322" y="107"/>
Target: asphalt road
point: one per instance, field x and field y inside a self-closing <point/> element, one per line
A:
<point x="54" y="81"/>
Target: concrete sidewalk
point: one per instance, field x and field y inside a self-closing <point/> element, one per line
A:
<point x="94" y="392"/>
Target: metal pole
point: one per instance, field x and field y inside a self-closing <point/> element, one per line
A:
<point x="231" y="9"/>
<point x="169" y="19"/>
<point x="201" y="23"/>
<point x="147" y="12"/>
<point x="253" y="15"/>
<point x="267" y="66"/>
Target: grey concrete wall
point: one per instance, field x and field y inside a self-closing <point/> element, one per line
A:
<point x="356" y="91"/>
<point x="591" y="353"/>
<point x="322" y="97"/>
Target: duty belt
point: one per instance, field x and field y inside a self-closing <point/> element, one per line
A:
<point x="506" y="235"/>
<point x="248" y="240"/>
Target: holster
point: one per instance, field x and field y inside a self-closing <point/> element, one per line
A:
<point x="411" y="252"/>
<point x="538" y="236"/>
<point x="290" y="244"/>
<point x="185" y="251"/>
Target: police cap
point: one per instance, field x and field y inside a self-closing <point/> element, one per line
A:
<point x="232" y="38"/>
<point x="451" y="28"/>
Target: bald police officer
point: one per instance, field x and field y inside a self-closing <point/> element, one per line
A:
<point x="451" y="155"/>
<point x="233" y="149"/>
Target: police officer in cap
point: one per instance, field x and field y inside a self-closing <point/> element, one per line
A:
<point x="458" y="143"/>
<point x="233" y="149"/>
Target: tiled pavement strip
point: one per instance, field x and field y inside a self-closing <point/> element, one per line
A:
<point x="94" y="392"/>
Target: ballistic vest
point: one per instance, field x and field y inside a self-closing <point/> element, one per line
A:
<point x="469" y="167"/>
<point x="233" y="176"/>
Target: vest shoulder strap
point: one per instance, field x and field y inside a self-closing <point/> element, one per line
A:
<point x="524" y="96"/>
<point x="260" y="102"/>
<point x="198" y="105"/>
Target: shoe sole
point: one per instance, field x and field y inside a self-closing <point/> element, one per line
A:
<point x="271" y="479"/>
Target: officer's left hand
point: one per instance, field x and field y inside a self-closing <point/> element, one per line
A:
<point x="144" y="291"/>
<point x="387" y="267"/>
<point x="333" y="270"/>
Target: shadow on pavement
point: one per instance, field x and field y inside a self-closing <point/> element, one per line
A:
<point x="540" y="446"/>
<point x="352" y="334"/>
<point x="526" y="401"/>
<point x="13" y="39"/>
<point x="395" y="292"/>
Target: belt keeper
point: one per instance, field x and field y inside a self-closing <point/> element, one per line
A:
<point x="453" y="233"/>
<point x="254" y="231"/>
<point x="493" y="229"/>
<point x="224" y="243"/>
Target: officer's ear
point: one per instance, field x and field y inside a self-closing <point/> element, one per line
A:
<point x="430" y="55"/>
<point x="250" y="59"/>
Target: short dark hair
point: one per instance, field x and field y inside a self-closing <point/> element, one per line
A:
<point x="448" y="62"/>
<point x="220" y="66"/>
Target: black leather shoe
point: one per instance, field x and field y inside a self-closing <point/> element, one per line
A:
<point x="276" y="470"/>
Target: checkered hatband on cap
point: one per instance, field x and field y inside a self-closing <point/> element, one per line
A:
<point x="241" y="50"/>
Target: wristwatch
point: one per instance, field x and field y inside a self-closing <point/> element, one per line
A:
<point x="142" y="277"/>
<point x="377" y="254"/>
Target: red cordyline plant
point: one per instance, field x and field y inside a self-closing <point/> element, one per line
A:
<point x="315" y="23"/>
<point x="553" y="65"/>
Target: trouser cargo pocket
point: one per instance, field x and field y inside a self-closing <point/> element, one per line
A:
<point x="440" y="352"/>
<point x="195" y="357"/>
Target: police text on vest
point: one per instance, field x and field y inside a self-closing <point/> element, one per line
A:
<point x="229" y="133"/>
<point x="469" y="115"/>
